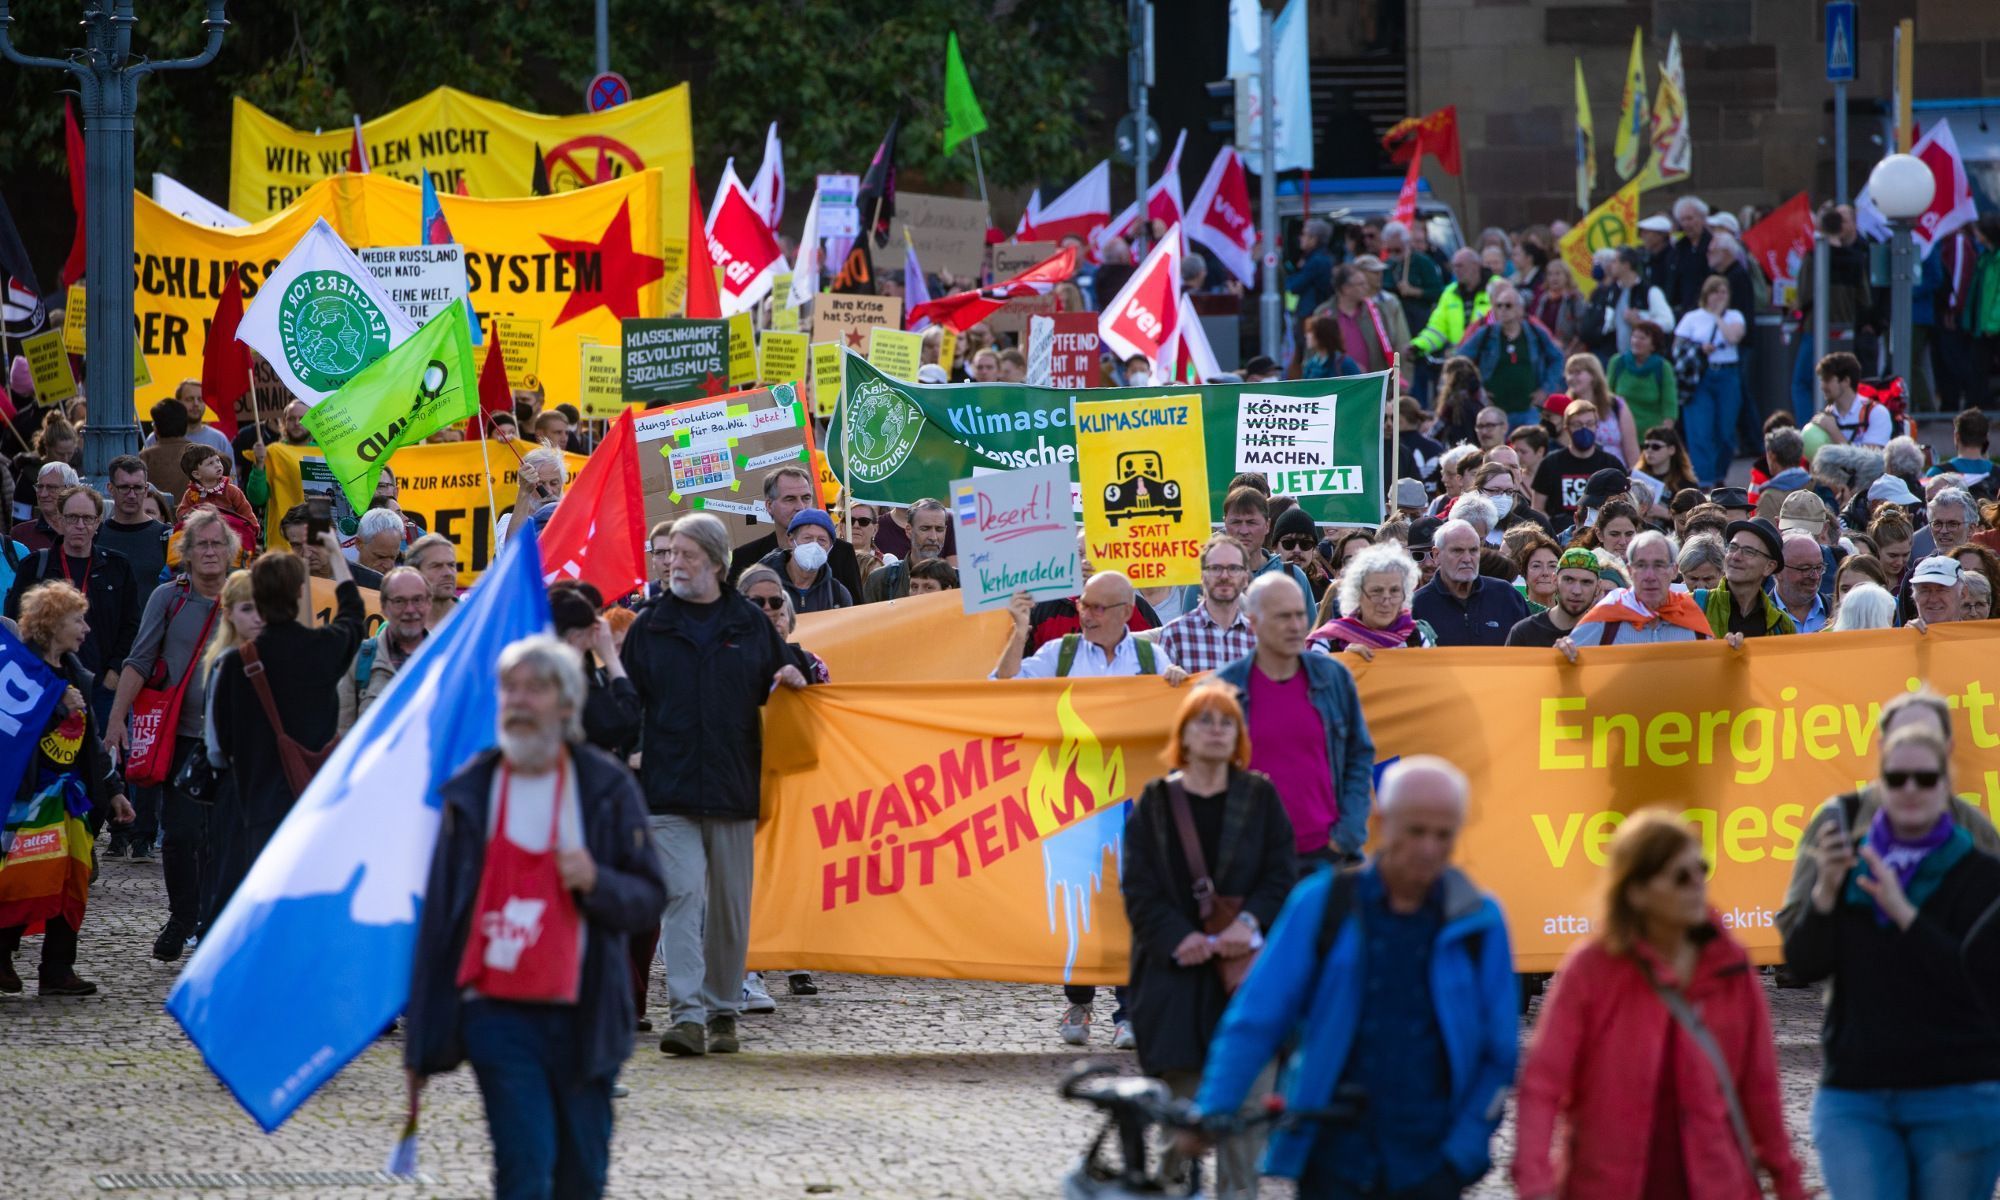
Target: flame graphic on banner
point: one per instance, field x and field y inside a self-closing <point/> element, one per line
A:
<point x="1077" y="799"/>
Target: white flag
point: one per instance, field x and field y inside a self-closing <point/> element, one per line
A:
<point x="183" y="201"/>
<point x="321" y="317"/>
<point x="767" y="190"/>
<point x="805" y="271"/>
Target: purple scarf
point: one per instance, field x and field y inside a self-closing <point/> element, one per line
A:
<point x="1904" y="856"/>
<point x="1354" y="631"/>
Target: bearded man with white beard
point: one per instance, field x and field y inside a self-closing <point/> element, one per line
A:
<point x="541" y="872"/>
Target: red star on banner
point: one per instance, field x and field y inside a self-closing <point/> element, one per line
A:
<point x="854" y="338"/>
<point x="621" y="271"/>
<point x="713" y="384"/>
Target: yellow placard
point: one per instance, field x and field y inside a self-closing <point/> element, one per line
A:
<point x="142" y="375"/>
<point x="1144" y="474"/>
<point x="947" y="348"/>
<point x="520" y="348"/>
<point x="896" y="353"/>
<point x="783" y="315"/>
<point x="574" y="263"/>
<point x="784" y="357"/>
<point x="487" y="145"/>
<point x="48" y="360"/>
<point x="826" y="378"/>
<point x="742" y="350"/>
<point x="600" y="392"/>
<point x="75" y="308"/>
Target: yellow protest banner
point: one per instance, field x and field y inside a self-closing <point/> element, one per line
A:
<point x="444" y="485"/>
<point x="826" y="377"/>
<point x="573" y="263"/>
<point x="1144" y="474"/>
<point x="947" y="347"/>
<point x="1612" y="223"/>
<point x="75" y="308"/>
<point x="48" y="361"/>
<point x="601" y="390"/>
<point x="784" y="316"/>
<point x="520" y="348"/>
<point x="896" y="353"/>
<point x="742" y="350"/>
<point x="1744" y="744"/>
<point x="488" y="145"/>
<point x="784" y="357"/>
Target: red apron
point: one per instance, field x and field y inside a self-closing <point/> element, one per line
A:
<point x="525" y="941"/>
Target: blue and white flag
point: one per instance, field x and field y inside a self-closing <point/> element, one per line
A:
<point x="1291" y="83"/>
<point x="29" y="690"/>
<point x="311" y="960"/>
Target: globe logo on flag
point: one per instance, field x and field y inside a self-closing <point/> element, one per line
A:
<point x="331" y="329"/>
<point x="884" y="429"/>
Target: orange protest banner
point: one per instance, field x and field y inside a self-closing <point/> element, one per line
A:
<point x="931" y="638"/>
<point x="903" y="821"/>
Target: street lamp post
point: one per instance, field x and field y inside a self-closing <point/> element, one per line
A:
<point x="108" y="78"/>
<point x="1902" y="187"/>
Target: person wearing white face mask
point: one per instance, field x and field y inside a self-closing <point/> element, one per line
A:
<point x="1500" y="485"/>
<point x="807" y="577"/>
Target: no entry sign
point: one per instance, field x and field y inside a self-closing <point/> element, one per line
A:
<point x="608" y="90"/>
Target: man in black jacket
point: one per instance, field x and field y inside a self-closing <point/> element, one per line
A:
<point x="105" y="579"/>
<point x="788" y="491"/>
<point x="704" y="659"/>
<point x="544" y="836"/>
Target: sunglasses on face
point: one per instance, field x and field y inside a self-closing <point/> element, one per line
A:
<point x="861" y="522"/>
<point x="1295" y="543"/>
<point x="1688" y="875"/>
<point x="774" y="603"/>
<point x="1652" y="446"/>
<point x="1922" y="779"/>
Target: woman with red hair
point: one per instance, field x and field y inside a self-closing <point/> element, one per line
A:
<point x="1208" y="863"/>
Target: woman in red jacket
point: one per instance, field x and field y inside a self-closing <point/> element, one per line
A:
<point x="1654" y="1046"/>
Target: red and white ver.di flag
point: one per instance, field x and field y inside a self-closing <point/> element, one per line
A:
<point x="742" y="246"/>
<point x="1220" y="219"/>
<point x="1145" y="317"/>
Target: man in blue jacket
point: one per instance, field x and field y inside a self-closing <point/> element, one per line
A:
<point x="1414" y="1006"/>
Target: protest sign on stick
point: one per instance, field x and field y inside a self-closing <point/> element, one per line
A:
<point x="712" y="456"/>
<point x="1016" y="533"/>
<point x="1144" y="479"/>
<point x="668" y="359"/>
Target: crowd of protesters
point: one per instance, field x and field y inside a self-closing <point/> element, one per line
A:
<point x="1567" y="487"/>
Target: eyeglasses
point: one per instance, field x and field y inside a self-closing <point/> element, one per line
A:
<point x="406" y="601"/>
<point x="1489" y="424"/>
<point x="1094" y="609"/>
<point x="1227" y="569"/>
<point x="1740" y="548"/>
<point x="1383" y="593"/>
<point x="774" y="603"/>
<point x="1812" y="572"/>
<point x="659" y="552"/>
<point x="861" y="522"/>
<point x="80" y="518"/>
<point x="1295" y="543"/>
<point x="1901" y="779"/>
<point x="1687" y="875"/>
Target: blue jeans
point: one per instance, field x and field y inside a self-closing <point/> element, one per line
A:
<point x="1710" y="420"/>
<point x="551" y="1131"/>
<point x="1940" y="1143"/>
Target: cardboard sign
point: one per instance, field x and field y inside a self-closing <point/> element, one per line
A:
<point x="602" y="381"/>
<point x="1073" y="356"/>
<point x="520" y="349"/>
<point x="1016" y="532"/>
<point x="949" y="234"/>
<point x="1144" y="474"/>
<point x="712" y="456"/>
<point x="669" y="359"/>
<point x="783" y="357"/>
<point x="838" y="217"/>
<point x="1013" y="317"/>
<point x="49" y="362"/>
<point x="896" y="353"/>
<point x="846" y="320"/>
<point x="1012" y="258"/>
<point x="420" y="279"/>
<point x="1041" y="350"/>
<point x="75" y="309"/>
<point x="826" y="359"/>
<point x="742" y="350"/>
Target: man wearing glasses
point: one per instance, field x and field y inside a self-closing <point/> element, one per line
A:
<point x="1739" y="607"/>
<point x="1518" y="361"/>
<point x="129" y="531"/>
<point x="1798" y="583"/>
<point x="103" y="576"/>
<point x="406" y="614"/>
<point x="1214" y="632"/>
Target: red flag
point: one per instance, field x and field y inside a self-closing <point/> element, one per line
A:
<point x="1406" y="200"/>
<point x="225" y="362"/>
<point x="73" y="148"/>
<point x="1434" y="133"/>
<point x="1145" y="317"/>
<point x="357" y="154"/>
<point x="598" y="532"/>
<point x="703" y="304"/>
<point x="963" y="310"/>
<point x="1220" y="217"/>
<point x="461" y="189"/>
<point x="1782" y="241"/>
<point x="496" y="395"/>
<point x="741" y="244"/>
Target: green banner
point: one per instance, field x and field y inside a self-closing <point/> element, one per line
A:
<point x="1317" y="440"/>
<point x="398" y="400"/>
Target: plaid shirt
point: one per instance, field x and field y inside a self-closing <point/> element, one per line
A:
<point x="1197" y="643"/>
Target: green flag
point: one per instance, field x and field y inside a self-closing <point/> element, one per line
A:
<point x="403" y="397"/>
<point x="962" y="118"/>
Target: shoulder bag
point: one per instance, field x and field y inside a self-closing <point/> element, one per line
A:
<point x="156" y="710"/>
<point x="1217" y="913"/>
<point x="1690" y="1021"/>
<point x="300" y="764"/>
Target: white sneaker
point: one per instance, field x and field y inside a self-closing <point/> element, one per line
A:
<point x="1123" y="1039"/>
<point x="1075" y="1027"/>
<point x="755" y="998"/>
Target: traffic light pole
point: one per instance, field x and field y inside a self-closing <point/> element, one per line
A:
<point x="109" y="82"/>
<point x="1270" y="309"/>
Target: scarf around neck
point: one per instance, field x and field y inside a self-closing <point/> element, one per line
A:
<point x="1919" y="863"/>
<point x="1355" y="631"/>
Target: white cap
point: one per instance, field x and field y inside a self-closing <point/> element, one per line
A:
<point x="1937" y="568"/>
<point x="1892" y="489"/>
<point x="1657" y="223"/>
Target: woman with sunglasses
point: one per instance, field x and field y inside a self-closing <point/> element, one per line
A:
<point x="1653" y="1052"/>
<point x="1663" y="456"/>
<point x="859" y="530"/>
<point x="1909" y="1100"/>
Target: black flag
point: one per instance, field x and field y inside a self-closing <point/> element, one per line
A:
<point x="20" y="294"/>
<point x="877" y="196"/>
<point x="857" y="272"/>
<point x="540" y="185"/>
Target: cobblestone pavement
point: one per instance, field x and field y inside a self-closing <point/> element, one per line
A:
<point x="874" y="1088"/>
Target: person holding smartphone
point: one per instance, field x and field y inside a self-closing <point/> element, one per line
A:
<point x="1909" y="1098"/>
<point x="541" y="475"/>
